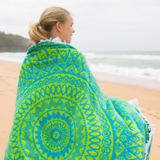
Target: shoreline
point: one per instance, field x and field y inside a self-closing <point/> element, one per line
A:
<point x="122" y="79"/>
<point x="149" y="102"/>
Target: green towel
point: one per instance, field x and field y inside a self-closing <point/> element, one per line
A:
<point x="62" y="113"/>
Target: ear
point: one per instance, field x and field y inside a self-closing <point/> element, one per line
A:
<point x="58" y="26"/>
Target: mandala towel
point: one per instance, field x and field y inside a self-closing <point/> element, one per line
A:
<point x="62" y="113"/>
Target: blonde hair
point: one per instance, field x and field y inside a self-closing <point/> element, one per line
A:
<point x="41" y="29"/>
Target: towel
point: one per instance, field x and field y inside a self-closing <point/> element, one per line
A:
<point x="62" y="113"/>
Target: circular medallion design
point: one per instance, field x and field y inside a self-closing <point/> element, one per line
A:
<point x="54" y="130"/>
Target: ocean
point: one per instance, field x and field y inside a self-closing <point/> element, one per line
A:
<point x="144" y="64"/>
<point x="134" y="64"/>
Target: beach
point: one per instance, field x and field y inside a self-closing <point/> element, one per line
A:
<point x="149" y="102"/>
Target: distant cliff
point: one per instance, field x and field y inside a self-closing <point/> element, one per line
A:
<point x="13" y="43"/>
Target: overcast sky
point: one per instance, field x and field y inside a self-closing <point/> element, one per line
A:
<point x="100" y="25"/>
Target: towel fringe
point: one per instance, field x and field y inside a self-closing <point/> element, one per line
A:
<point x="151" y="129"/>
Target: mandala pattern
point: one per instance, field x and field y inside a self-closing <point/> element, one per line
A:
<point x="62" y="113"/>
<point x="53" y="135"/>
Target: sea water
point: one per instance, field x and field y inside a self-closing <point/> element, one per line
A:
<point x="143" y="64"/>
<point x="133" y="64"/>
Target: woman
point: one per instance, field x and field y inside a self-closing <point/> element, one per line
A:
<point x="61" y="112"/>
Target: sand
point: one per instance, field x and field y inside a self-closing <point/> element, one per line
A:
<point x="149" y="103"/>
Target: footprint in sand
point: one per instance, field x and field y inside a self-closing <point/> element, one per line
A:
<point x="7" y="84"/>
<point x="11" y="90"/>
<point x="156" y="116"/>
<point x="1" y="93"/>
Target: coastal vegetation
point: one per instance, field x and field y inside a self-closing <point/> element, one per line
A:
<point x="13" y="43"/>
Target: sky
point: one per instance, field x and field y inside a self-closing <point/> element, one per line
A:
<point x="100" y="25"/>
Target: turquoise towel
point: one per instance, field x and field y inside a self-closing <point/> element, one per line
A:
<point x="62" y="113"/>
